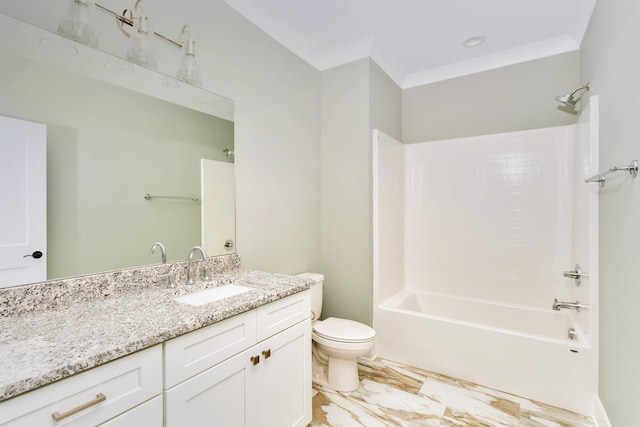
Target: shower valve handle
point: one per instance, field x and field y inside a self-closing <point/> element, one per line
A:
<point x="576" y="274"/>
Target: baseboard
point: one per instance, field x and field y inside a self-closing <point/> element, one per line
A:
<point x="600" y="415"/>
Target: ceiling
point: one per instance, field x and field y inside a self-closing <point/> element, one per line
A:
<point x="421" y="41"/>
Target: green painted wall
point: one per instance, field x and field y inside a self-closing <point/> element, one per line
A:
<point x="106" y="148"/>
<point x="507" y="99"/>
<point x="611" y="64"/>
<point x="356" y="98"/>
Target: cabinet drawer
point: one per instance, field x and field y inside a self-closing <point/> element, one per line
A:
<point x="281" y="314"/>
<point x="149" y="414"/>
<point x="199" y="350"/>
<point x="124" y="383"/>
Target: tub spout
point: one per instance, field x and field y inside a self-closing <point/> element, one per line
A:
<point x="557" y="305"/>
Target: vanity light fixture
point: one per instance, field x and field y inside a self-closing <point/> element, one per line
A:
<point x="78" y="24"/>
<point x="188" y="70"/>
<point x="141" y="49"/>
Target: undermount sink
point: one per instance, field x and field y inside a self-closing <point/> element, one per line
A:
<point x="213" y="294"/>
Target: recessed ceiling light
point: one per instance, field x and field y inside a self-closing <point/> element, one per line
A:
<point x="474" y="41"/>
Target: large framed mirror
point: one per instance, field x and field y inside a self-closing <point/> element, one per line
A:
<point x="115" y="132"/>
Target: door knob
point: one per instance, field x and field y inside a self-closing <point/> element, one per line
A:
<point x="36" y="255"/>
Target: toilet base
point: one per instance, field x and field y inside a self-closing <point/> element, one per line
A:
<point x="343" y="374"/>
<point x="319" y="372"/>
<point x="335" y="373"/>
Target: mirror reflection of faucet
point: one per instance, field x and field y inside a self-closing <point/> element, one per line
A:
<point x="557" y="305"/>
<point x="164" y="251"/>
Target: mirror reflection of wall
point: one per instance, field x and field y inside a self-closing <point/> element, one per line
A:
<point x="107" y="148"/>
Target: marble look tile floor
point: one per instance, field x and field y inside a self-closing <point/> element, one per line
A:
<point x="393" y="394"/>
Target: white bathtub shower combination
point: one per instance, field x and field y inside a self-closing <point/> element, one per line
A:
<point x="471" y="237"/>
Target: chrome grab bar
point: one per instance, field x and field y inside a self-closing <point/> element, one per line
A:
<point x="557" y="305"/>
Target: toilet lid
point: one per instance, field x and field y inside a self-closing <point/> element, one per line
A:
<point x="344" y="330"/>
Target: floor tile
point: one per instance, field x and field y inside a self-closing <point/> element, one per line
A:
<point x="392" y="394"/>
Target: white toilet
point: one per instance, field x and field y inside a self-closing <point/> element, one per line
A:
<point x="336" y="344"/>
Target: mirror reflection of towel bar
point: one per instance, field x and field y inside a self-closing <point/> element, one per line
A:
<point x="632" y="168"/>
<point x="149" y="197"/>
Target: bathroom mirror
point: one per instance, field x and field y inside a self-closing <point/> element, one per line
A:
<point x="115" y="132"/>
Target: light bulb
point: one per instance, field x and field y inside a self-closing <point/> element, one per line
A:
<point x="141" y="49"/>
<point x="188" y="71"/>
<point x="78" y="23"/>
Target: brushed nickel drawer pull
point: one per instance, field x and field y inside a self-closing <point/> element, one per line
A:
<point x="57" y="416"/>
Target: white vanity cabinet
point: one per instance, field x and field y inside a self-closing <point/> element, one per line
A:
<point x="113" y="393"/>
<point x="252" y="369"/>
<point x="265" y="382"/>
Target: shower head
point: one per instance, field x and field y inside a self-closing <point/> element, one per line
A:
<point x="569" y="101"/>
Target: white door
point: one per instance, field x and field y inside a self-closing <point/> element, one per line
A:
<point x="218" y="209"/>
<point x="23" y="204"/>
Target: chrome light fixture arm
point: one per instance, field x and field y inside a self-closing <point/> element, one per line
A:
<point x="127" y="18"/>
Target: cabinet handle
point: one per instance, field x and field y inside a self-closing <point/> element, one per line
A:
<point x="255" y="360"/>
<point x="57" y="416"/>
<point x="266" y="353"/>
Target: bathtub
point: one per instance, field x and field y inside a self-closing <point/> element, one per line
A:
<point x="522" y="351"/>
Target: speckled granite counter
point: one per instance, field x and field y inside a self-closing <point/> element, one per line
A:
<point x="110" y="317"/>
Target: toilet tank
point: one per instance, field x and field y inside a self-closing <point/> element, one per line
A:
<point x="316" y="293"/>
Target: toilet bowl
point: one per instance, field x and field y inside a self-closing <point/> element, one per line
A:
<point x="337" y="343"/>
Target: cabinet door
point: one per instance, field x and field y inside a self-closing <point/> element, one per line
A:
<point x="284" y="378"/>
<point x="220" y="396"/>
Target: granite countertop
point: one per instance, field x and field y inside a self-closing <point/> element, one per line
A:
<point x="42" y="346"/>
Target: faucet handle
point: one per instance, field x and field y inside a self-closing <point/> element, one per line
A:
<point x="172" y="284"/>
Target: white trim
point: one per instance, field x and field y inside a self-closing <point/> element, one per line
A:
<point x="281" y="32"/>
<point x="326" y="58"/>
<point x="346" y="54"/>
<point x="581" y="20"/>
<point x="600" y="417"/>
<point x="539" y="50"/>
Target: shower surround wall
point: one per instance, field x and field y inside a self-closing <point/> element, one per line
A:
<point x="471" y="237"/>
<point x="490" y="217"/>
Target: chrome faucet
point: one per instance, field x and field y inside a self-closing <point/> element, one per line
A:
<point x="190" y="279"/>
<point x="557" y="305"/>
<point x="164" y="251"/>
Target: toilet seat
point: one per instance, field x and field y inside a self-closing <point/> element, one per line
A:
<point x="343" y="330"/>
